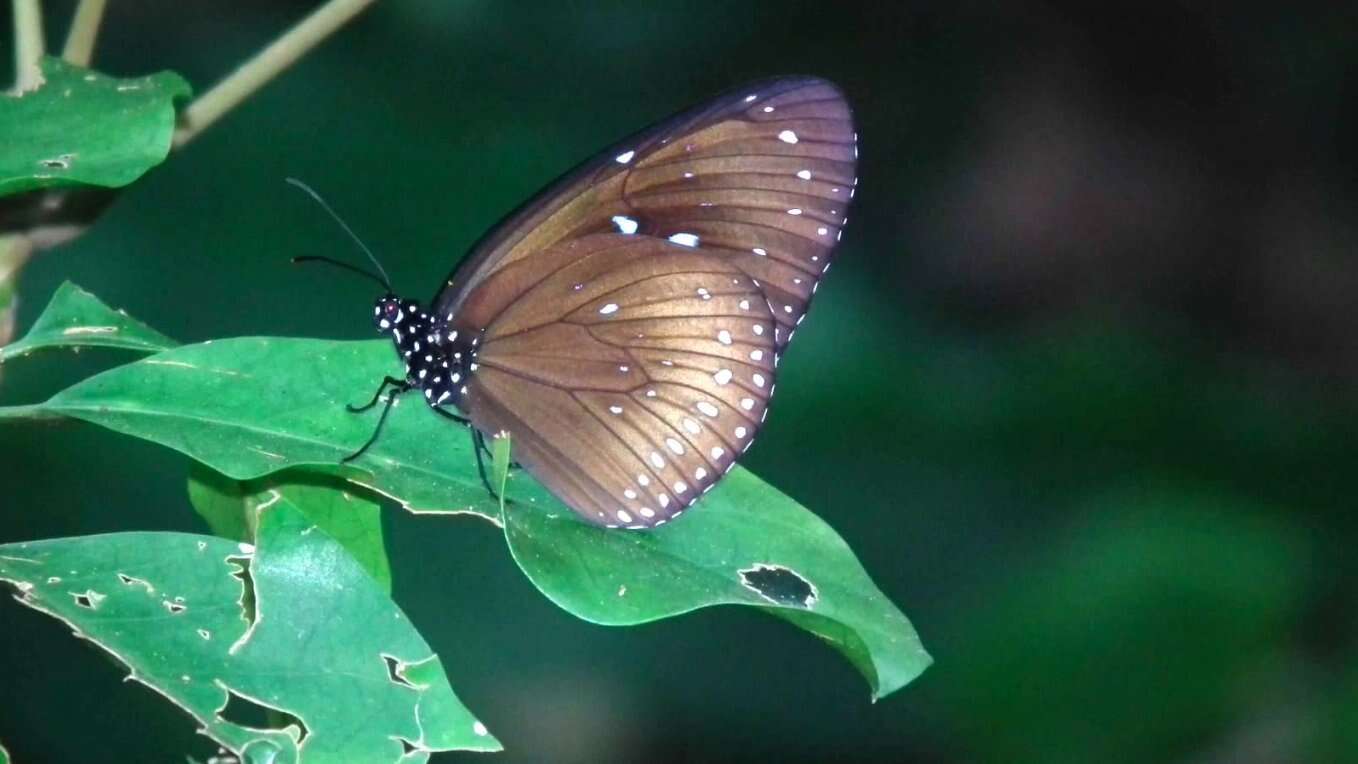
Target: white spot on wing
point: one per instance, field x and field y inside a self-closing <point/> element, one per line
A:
<point x="760" y="251"/>
<point x="625" y="224"/>
<point x="691" y="426"/>
<point x="674" y="445"/>
<point x="624" y="158"/>
<point x="804" y="174"/>
<point x="724" y="337"/>
<point x="795" y="211"/>
<point x="747" y="403"/>
<point x="608" y="309"/>
<point x="657" y="460"/>
<point x="624" y="516"/>
<point x="685" y="239"/>
<point x="708" y="409"/>
<point x="787" y="136"/>
<point x="615" y="409"/>
<point x="722" y="376"/>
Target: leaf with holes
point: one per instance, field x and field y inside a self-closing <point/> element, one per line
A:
<point x="252" y="406"/>
<point x="744" y="544"/>
<point x="288" y="648"/>
<point x="81" y="128"/>
<point x="75" y="318"/>
<point x="230" y="507"/>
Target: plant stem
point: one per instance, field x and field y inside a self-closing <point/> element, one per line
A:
<point x="15" y="250"/>
<point x="84" y="29"/>
<point x="267" y="64"/>
<point x="31" y="413"/>
<point x="28" y="45"/>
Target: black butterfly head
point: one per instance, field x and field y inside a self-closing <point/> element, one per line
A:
<point x="393" y="313"/>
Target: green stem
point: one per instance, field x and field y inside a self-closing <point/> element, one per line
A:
<point x="28" y="45"/>
<point x="84" y="29"/>
<point x="267" y="64"/>
<point x="33" y="412"/>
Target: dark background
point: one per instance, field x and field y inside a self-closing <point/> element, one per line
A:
<point x="1080" y="392"/>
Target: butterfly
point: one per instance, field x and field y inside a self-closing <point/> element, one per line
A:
<point x="625" y="325"/>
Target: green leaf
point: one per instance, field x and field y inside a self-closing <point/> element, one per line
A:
<point x="252" y="406"/>
<point x="229" y="507"/>
<point x="76" y="318"/>
<point x="4" y="754"/>
<point x="293" y="626"/>
<point x="81" y="127"/>
<point x="744" y="544"/>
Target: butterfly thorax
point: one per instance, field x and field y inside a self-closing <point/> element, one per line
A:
<point x="438" y="359"/>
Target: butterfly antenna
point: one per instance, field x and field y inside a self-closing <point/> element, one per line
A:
<point x="385" y="279"/>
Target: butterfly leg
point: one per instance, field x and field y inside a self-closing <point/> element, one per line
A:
<point x="479" y="445"/>
<point x="400" y="384"/>
<point x="401" y="387"/>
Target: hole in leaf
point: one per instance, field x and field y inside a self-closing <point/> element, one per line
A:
<point x="174" y="607"/>
<point x="241" y="572"/>
<point x="408" y="747"/>
<point x="89" y="599"/>
<point x="252" y="714"/>
<point x="779" y="585"/>
<point x="394" y="672"/>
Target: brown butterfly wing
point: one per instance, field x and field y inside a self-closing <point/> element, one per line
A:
<point x="761" y="176"/>
<point x="634" y="312"/>
<point x="631" y="377"/>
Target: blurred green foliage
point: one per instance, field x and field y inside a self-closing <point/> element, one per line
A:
<point x="1108" y="469"/>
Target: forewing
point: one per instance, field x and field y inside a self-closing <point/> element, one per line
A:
<point x="631" y="373"/>
<point x="760" y="177"/>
